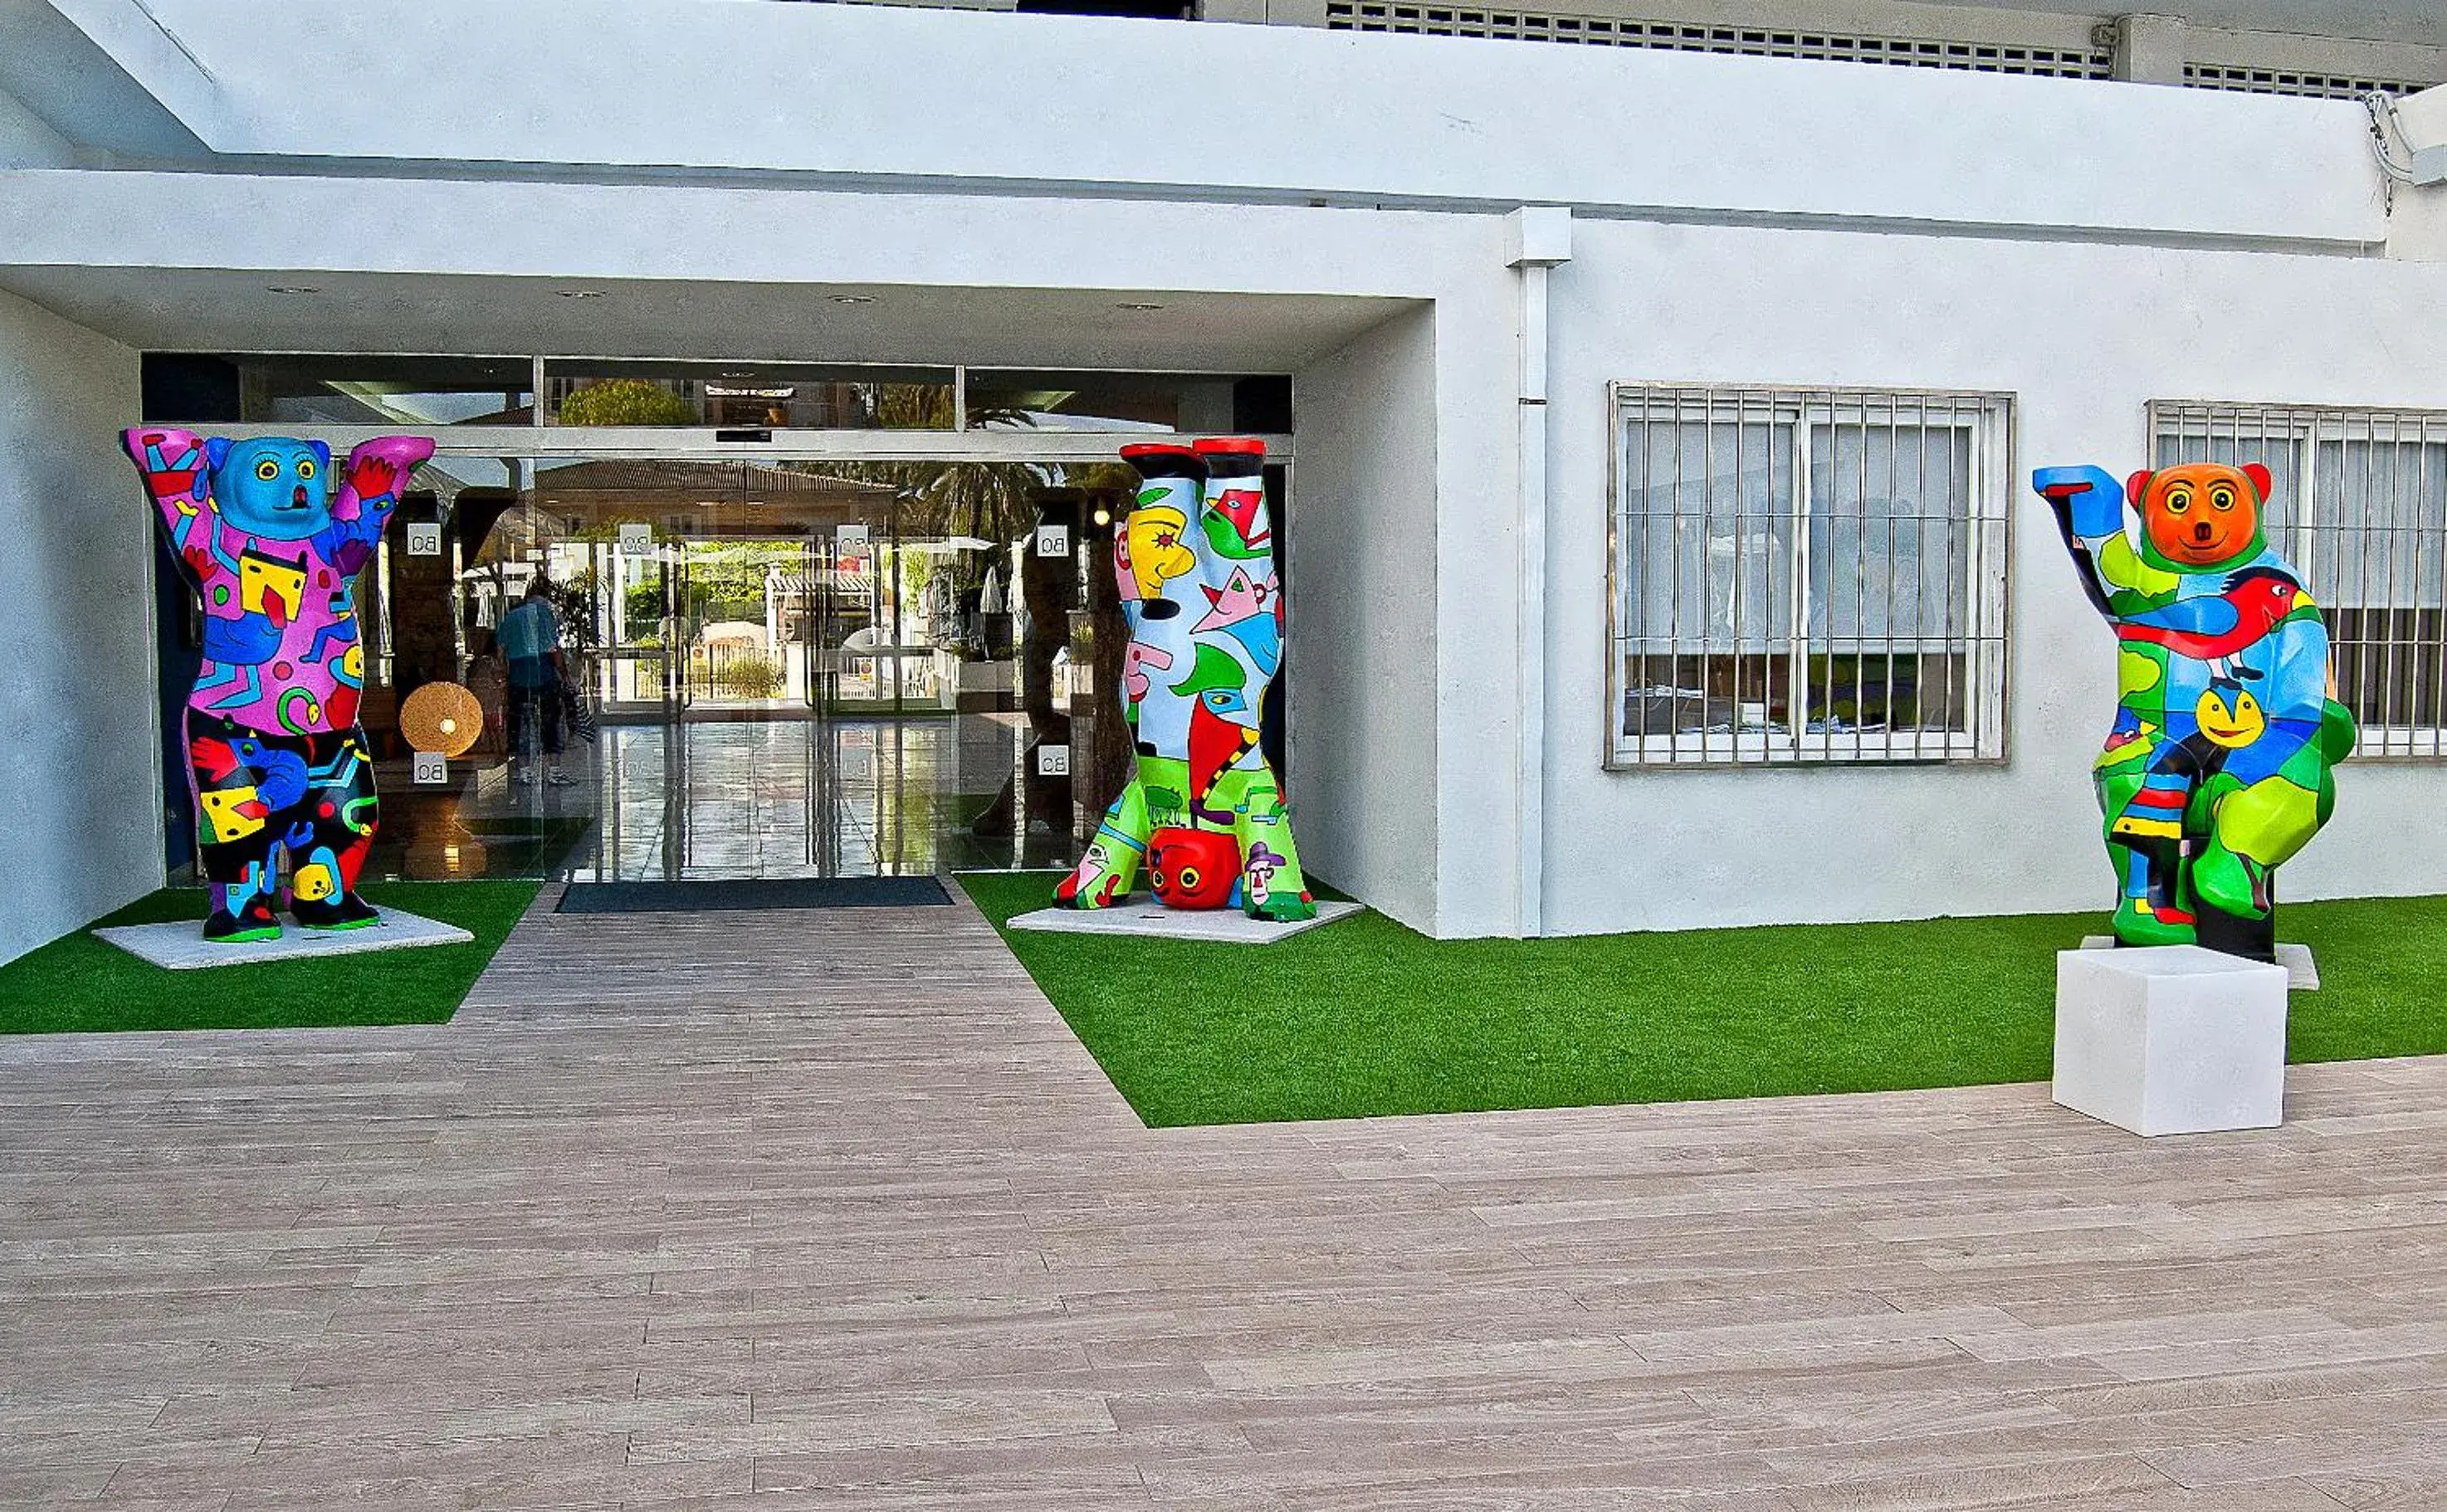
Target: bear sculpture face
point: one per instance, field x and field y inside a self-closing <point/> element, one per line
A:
<point x="278" y="490"/>
<point x="2201" y="514"/>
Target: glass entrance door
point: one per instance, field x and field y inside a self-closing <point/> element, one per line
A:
<point x="772" y="669"/>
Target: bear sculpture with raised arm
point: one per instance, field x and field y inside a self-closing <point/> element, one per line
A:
<point x="2218" y="767"/>
<point x="280" y="767"/>
<point x="1204" y="813"/>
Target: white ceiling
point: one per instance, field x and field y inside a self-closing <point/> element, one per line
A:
<point x="216" y="311"/>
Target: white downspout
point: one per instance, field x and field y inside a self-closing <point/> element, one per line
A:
<point x="1541" y="237"/>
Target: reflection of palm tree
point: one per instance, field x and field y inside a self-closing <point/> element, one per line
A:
<point x="990" y="500"/>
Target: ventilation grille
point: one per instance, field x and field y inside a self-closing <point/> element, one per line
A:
<point x="2278" y="81"/>
<point x="1549" y="25"/>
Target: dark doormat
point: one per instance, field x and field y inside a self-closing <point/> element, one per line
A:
<point x="753" y="893"/>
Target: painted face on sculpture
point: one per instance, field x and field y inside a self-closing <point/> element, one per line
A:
<point x="1154" y="549"/>
<point x="2230" y="716"/>
<point x="278" y="489"/>
<point x="1191" y="869"/>
<point x="2201" y="514"/>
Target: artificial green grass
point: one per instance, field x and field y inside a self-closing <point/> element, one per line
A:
<point x="1365" y="1017"/>
<point x="80" y="983"/>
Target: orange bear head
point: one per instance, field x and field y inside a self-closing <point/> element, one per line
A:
<point x="2199" y="516"/>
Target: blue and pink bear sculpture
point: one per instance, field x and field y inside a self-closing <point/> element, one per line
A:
<point x="281" y="766"/>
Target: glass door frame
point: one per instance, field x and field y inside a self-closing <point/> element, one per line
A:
<point x="701" y="443"/>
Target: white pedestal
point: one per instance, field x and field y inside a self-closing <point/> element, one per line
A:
<point x="2173" y="1039"/>
<point x="2301" y="972"/>
<point x="1145" y="915"/>
<point x="181" y="945"/>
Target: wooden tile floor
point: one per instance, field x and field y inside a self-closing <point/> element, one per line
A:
<point x="828" y="1211"/>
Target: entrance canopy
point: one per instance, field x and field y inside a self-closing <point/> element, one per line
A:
<point x="321" y="309"/>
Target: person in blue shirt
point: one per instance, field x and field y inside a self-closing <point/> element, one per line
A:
<point x="529" y="639"/>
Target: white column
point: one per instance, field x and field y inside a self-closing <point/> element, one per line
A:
<point x="1540" y="238"/>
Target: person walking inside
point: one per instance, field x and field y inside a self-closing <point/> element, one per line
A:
<point x="529" y="639"/>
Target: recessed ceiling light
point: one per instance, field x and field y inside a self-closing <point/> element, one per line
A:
<point x="853" y="299"/>
<point x="292" y="289"/>
<point x="580" y="294"/>
<point x="1134" y="304"/>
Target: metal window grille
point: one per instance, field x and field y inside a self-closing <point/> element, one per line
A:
<point x="2292" y="82"/>
<point x="1761" y="41"/>
<point x="1806" y="574"/>
<point x="2359" y="505"/>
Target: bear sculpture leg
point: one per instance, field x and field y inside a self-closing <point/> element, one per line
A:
<point x="308" y="799"/>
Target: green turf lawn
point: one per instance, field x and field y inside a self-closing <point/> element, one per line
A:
<point x="77" y="982"/>
<point x="1365" y="1017"/>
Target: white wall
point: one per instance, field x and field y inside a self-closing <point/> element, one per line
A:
<point x="2085" y="336"/>
<point x="84" y="833"/>
<point x="1363" y="665"/>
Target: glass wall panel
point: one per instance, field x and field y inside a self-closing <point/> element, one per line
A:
<point x="748" y="396"/>
<point x="1199" y="404"/>
<point x="411" y="392"/>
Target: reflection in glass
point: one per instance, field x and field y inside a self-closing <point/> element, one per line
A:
<point x="762" y="396"/>
<point x="1201" y="404"/>
<point x="788" y="670"/>
<point x="410" y="392"/>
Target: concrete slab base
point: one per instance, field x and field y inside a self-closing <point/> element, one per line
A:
<point x="1144" y="917"/>
<point x="182" y="947"/>
<point x="2301" y="972"/>
<point x="2170" y="1039"/>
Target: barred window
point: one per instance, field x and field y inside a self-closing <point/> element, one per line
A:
<point x="1807" y="575"/>
<point x="2359" y="505"/>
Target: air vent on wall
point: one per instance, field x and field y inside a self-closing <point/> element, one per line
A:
<point x="1555" y="26"/>
<point x="2281" y="81"/>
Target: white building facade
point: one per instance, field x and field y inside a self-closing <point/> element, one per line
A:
<point x="1610" y="366"/>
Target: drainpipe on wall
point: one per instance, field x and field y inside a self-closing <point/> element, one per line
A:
<point x="1541" y="237"/>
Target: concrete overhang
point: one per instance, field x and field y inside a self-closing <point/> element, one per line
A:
<point x="225" y="309"/>
<point x="969" y="101"/>
<point x="196" y="261"/>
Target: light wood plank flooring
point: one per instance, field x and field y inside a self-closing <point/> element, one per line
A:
<point x="827" y="1210"/>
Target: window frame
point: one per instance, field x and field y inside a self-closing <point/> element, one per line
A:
<point x="1988" y="419"/>
<point x="2308" y="537"/>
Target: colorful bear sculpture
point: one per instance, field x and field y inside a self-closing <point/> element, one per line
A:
<point x="2218" y="767"/>
<point x="278" y="761"/>
<point x="1204" y="813"/>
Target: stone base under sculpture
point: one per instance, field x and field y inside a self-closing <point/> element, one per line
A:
<point x="2301" y="972"/>
<point x="1151" y="920"/>
<point x="2170" y="1039"/>
<point x="180" y="946"/>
